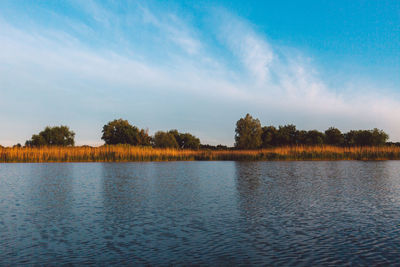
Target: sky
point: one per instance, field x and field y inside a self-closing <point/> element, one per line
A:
<point x="198" y="66"/>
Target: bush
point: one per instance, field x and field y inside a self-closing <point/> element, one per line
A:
<point x="165" y="140"/>
<point x="122" y="132"/>
<point x="53" y="136"/>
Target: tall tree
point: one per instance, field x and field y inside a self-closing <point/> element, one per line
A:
<point x="248" y="133"/>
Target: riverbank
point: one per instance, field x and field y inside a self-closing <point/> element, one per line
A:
<point x="124" y="153"/>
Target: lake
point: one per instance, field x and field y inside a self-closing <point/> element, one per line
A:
<point x="209" y="213"/>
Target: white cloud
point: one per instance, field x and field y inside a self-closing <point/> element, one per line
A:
<point x="287" y="81"/>
<point x="254" y="52"/>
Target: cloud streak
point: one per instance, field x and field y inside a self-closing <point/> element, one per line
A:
<point x="157" y="66"/>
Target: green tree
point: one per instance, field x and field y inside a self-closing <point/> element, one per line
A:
<point x="363" y="138"/>
<point x="314" y="137"/>
<point x="53" y="136"/>
<point x="186" y="140"/>
<point x="287" y="135"/>
<point x="122" y="132"/>
<point x="144" y="138"/>
<point x="349" y="138"/>
<point x="248" y="133"/>
<point x="334" y="137"/>
<point x="165" y="140"/>
<point x="379" y="137"/>
<point x="373" y="137"/>
<point x="301" y="137"/>
<point x="176" y="135"/>
<point x="189" y="141"/>
<point x="268" y="136"/>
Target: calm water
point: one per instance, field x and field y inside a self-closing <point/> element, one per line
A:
<point x="218" y="213"/>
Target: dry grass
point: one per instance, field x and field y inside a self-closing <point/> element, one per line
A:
<point x="131" y="153"/>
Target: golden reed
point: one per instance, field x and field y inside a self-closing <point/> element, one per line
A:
<point x="120" y="153"/>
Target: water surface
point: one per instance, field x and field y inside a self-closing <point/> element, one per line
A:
<point x="212" y="213"/>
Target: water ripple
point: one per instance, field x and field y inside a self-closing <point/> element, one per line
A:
<point x="200" y="213"/>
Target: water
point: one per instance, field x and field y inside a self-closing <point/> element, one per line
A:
<point x="211" y="213"/>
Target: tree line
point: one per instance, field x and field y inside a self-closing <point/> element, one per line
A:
<point x="249" y="134"/>
<point x="117" y="132"/>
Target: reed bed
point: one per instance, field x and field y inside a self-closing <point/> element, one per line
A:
<point x="125" y="153"/>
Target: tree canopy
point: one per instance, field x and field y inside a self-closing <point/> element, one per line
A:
<point x="175" y="139"/>
<point x="53" y="136"/>
<point x="334" y="136"/>
<point x="122" y="132"/>
<point x="248" y="133"/>
<point x="165" y="140"/>
<point x="248" y="136"/>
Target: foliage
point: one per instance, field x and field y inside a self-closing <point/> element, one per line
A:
<point x="393" y="143"/>
<point x="314" y="137"/>
<point x="175" y="139"/>
<point x="211" y="147"/>
<point x="334" y="136"/>
<point x="53" y="136"/>
<point x="248" y="133"/>
<point x="165" y="140"/>
<point x="268" y="136"/>
<point x="373" y="137"/>
<point x="379" y="137"/>
<point x="144" y="138"/>
<point x="288" y="135"/>
<point x="186" y="140"/>
<point x="122" y="132"/>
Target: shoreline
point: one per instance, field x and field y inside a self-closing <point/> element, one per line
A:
<point x="126" y="153"/>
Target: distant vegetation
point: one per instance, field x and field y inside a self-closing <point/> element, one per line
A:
<point x="52" y="136"/>
<point x="125" y="142"/>
<point x="175" y="139"/>
<point x="121" y="132"/>
<point x="251" y="135"/>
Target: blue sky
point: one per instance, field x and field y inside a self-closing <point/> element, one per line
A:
<point x="198" y="66"/>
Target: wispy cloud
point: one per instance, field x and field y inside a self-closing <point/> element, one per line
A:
<point x="288" y="81"/>
<point x="50" y="75"/>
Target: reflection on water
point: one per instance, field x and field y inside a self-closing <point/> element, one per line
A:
<point x="212" y="213"/>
